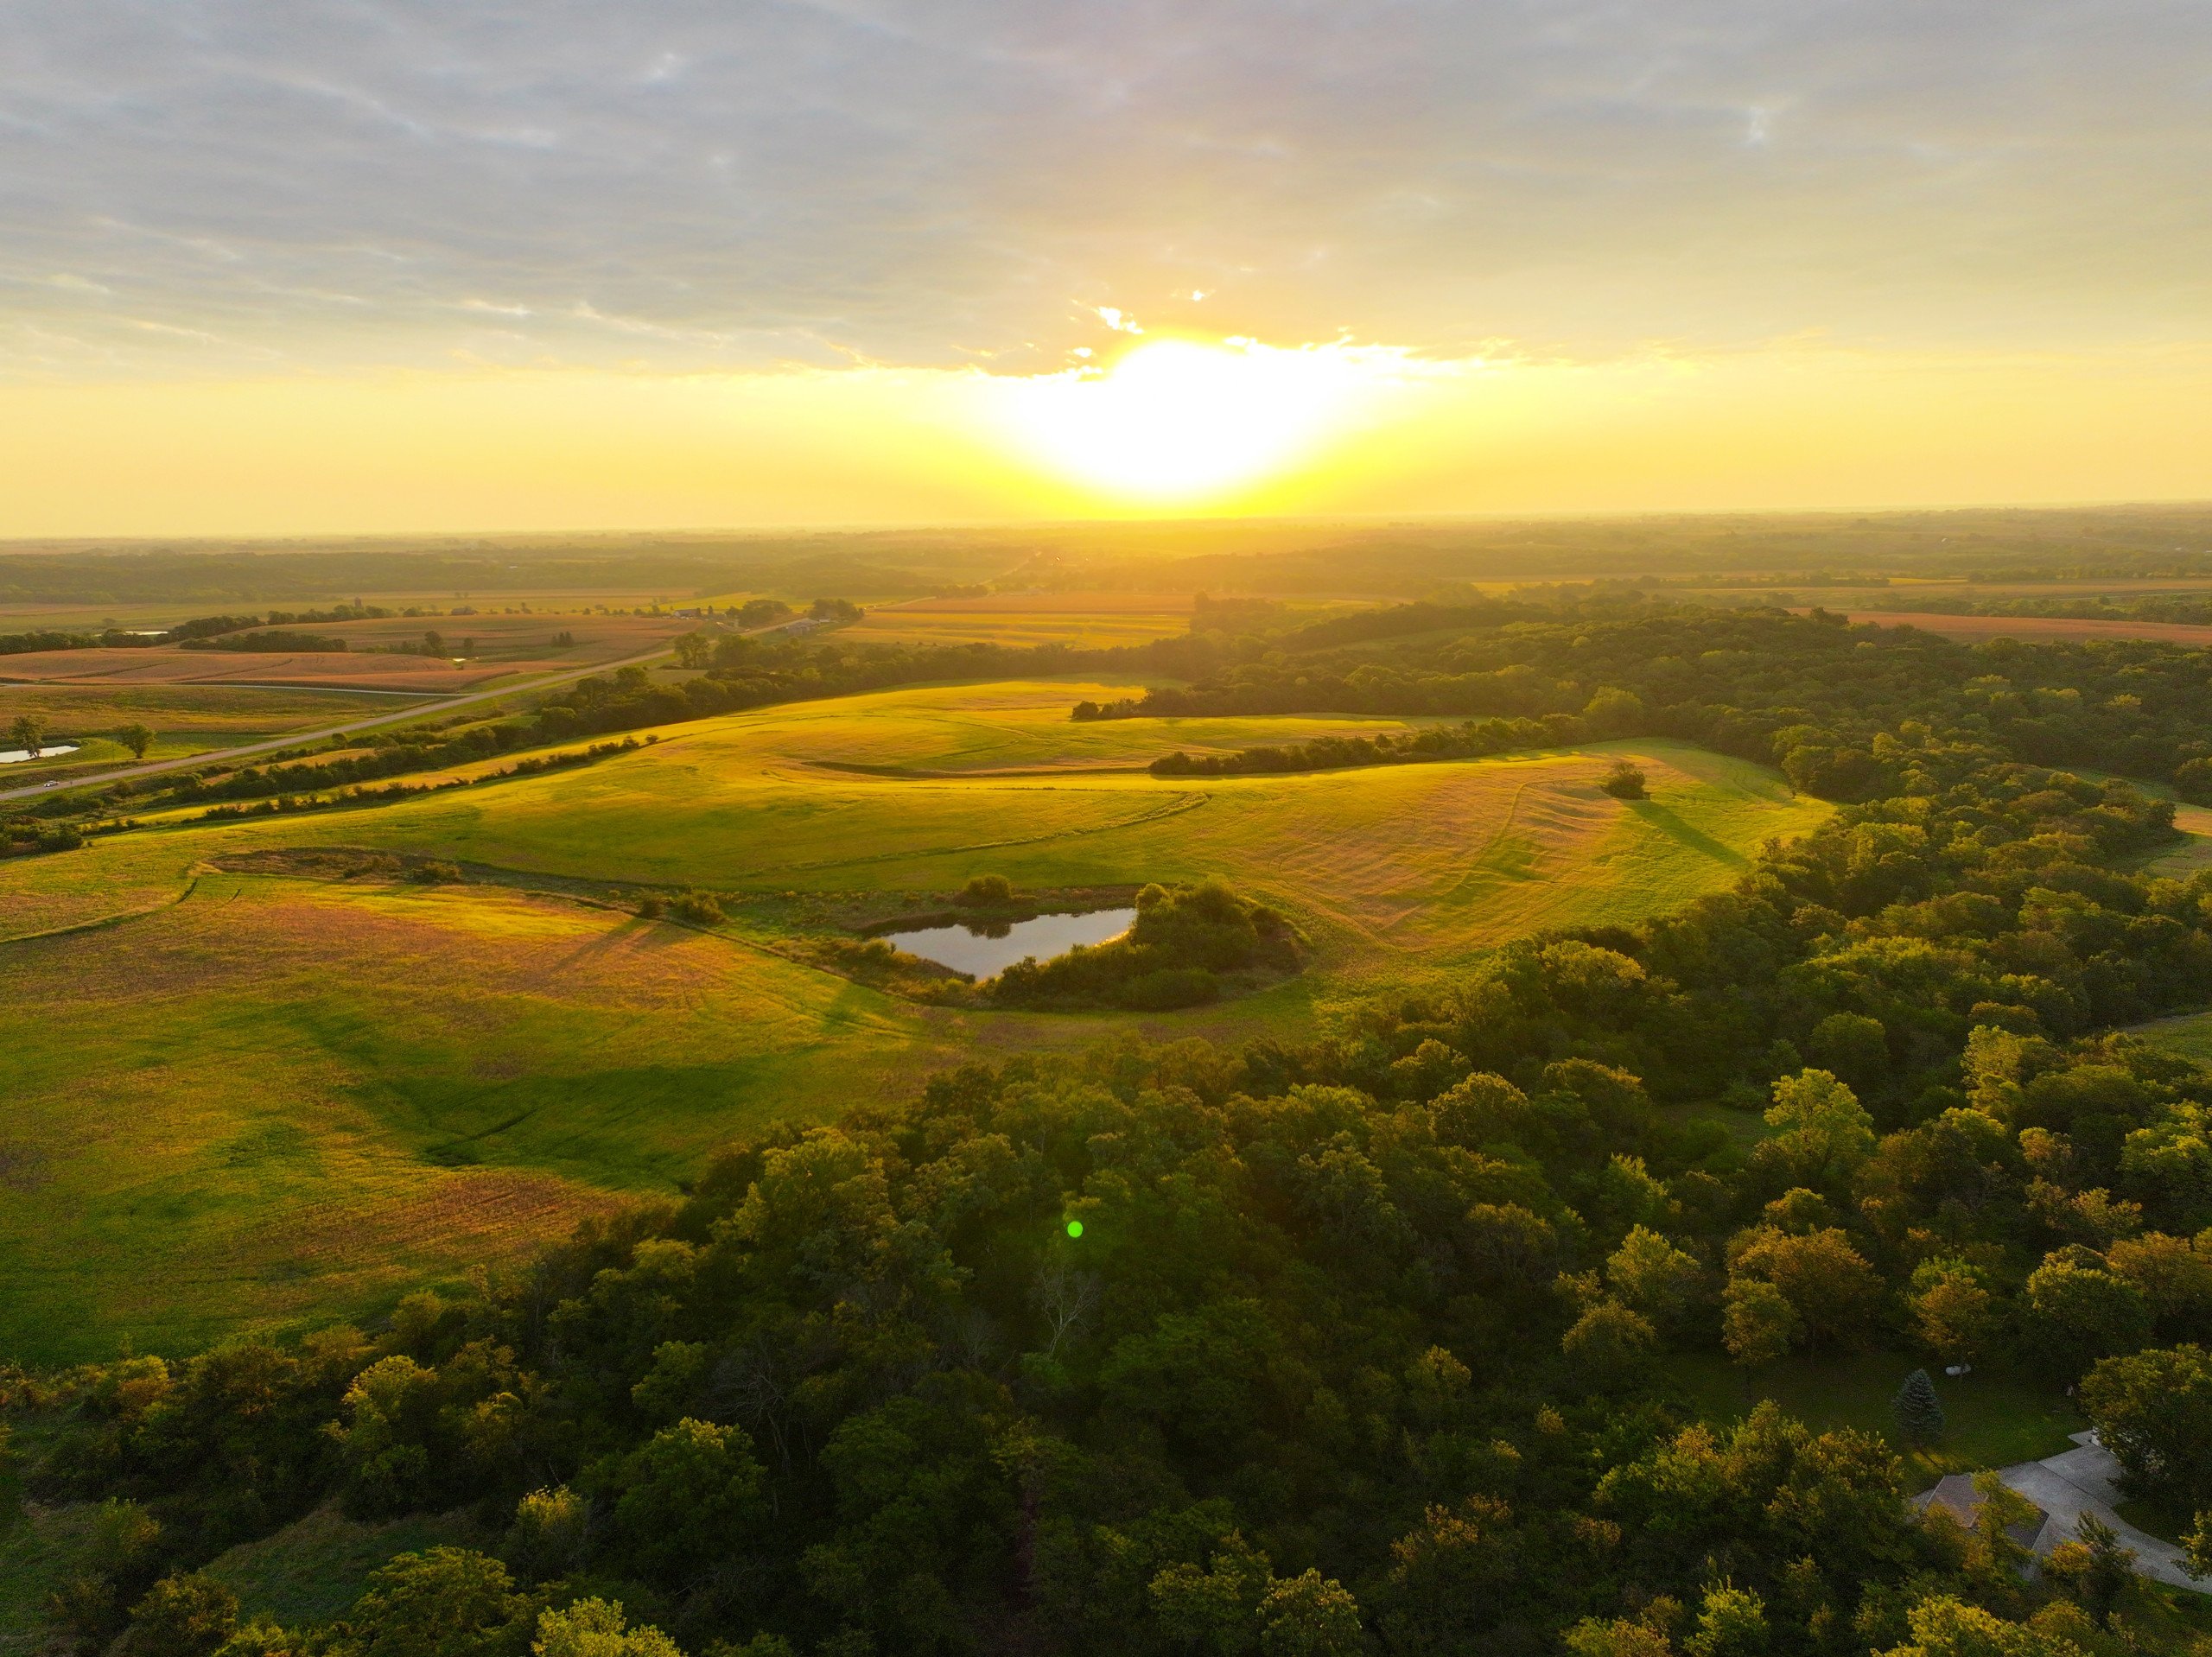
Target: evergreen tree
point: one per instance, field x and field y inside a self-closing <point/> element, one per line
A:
<point x="1919" y="1413"/>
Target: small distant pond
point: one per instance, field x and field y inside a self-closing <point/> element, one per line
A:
<point x="17" y="756"/>
<point x="988" y="948"/>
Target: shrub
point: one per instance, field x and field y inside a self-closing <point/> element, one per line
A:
<point x="985" y="892"/>
<point x="434" y="875"/>
<point x="1172" y="955"/>
<point x="186" y="1615"/>
<point x="699" y="908"/>
<point x="650" y="909"/>
<point x="1624" y="781"/>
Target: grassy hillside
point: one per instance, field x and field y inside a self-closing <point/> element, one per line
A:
<point x="261" y="1100"/>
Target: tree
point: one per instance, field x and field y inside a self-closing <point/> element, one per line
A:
<point x="1730" y="1623"/>
<point x="137" y="738"/>
<point x="594" y="1627"/>
<point x="689" y="1498"/>
<point x="693" y="650"/>
<point x="1758" y="1323"/>
<point x="547" y="1537"/>
<point x="186" y="1616"/>
<point x="1595" y="1637"/>
<point x="2095" y="1568"/>
<point x="1855" y="1047"/>
<point x="1830" y="1288"/>
<point x="1609" y="1346"/>
<point x="1306" y="1615"/>
<point x="2197" y="1547"/>
<point x="1952" y="1312"/>
<point x="1650" y="1276"/>
<point x="27" y="732"/>
<point x="447" y="1601"/>
<point x="2075" y="1313"/>
<point x="1822" y="1134"/>
<point x="2174" y="1275"/>
<point x="2153" y="1411"/>
<point x="1219" y="1608"/>
<point x="1943" y="1626"/>
<point x="1919" y="1413"/>
<point x="1625" y="781"/>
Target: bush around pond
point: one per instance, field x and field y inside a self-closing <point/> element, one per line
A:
<point x="1175" y="953"/>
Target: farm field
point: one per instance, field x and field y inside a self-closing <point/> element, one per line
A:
<point x="1089" y="620"/>
<point x="186" y="719"/>
<point x="913" y="791"/>
<point x="301" y="1094"/>
<point x="1973" y="628"/>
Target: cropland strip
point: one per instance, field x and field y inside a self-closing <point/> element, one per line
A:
<point x="248" y="749"/>
<point x="1976" y="628"/>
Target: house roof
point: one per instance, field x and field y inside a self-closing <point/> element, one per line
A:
<point x="1954" y="1494"/>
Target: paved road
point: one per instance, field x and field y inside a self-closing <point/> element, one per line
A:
<point x="296" y="738"/>
<point x="2084" y="1480"/>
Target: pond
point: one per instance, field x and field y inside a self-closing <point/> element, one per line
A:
<point x="51" y="751"/>
<point x="988" y="948"/>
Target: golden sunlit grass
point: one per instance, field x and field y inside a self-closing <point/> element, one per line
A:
<point x="268" y="1100"/>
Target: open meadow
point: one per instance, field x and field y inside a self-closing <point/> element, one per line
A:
<point x="299" y="1094"/>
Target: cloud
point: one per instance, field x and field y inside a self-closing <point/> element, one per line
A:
<point x="697" y="183"/>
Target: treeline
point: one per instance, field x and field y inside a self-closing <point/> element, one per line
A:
<point x="278" y="639"/>
<point x="201" y="632"/>
<point x="388" y="758"/>
<point x="2192" y="609"/>
<point x="747" y="672"/>
<point x="1828" y="701"/>
<point x="274" y="801"/>
<point x="1470" y="741"/>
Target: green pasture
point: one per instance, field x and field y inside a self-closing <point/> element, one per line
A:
<point x="252" y="1101"/>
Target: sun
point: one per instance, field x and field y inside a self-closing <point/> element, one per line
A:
<point x="1180" y="420"/>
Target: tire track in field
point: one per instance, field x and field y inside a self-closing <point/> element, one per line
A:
<point x="1175" y="807"/>
<point x="98" y="922"/>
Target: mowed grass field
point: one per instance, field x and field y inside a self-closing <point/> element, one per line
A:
<point x="263" y="1100"/>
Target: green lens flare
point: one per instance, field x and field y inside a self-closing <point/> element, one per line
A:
<point x="1075" y="1228"/>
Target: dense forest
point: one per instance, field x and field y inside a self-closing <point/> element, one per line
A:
<point x="1367" y="1343"/>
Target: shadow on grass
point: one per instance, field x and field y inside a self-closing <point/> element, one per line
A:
<point x="1671" y="825"/>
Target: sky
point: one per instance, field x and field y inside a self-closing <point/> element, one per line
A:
<point x="272" y="267"/>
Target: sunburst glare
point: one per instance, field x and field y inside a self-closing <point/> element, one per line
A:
<point x="1181" y="420"/>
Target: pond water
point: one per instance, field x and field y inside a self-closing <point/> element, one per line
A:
<point x="988" y="948"/>
<point x="52" y="750"/>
